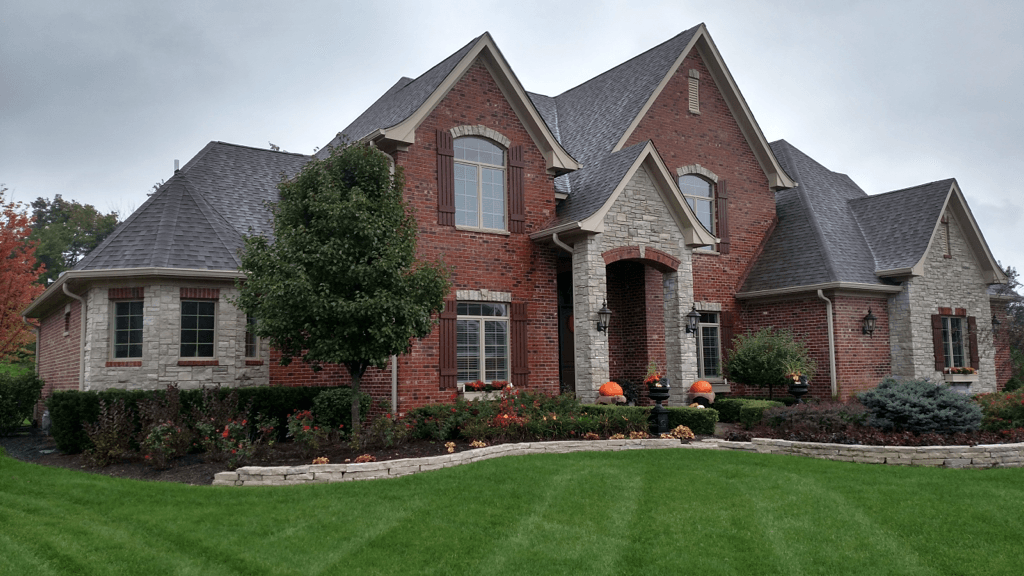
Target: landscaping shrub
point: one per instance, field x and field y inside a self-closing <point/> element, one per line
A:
<point x="19" y="392"/>
<point x="764" y="358"/>
<point x="752" y="411"/>
<point x="1001" y="410"/>
<point x="699" y="420"/>
<point x="163" y="435"/>
<point x="817" y="422"/>
<point x="919" y="406"/>
<point x="70" y="409"/>
<point x="110" y="436"/>
<point x="333" y="408"/>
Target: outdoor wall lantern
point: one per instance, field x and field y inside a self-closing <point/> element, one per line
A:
<point x="691" y="320"/>
<point x="995" y="323"/>
<point x="603" y="316"/>
<point x="869" y="324"/>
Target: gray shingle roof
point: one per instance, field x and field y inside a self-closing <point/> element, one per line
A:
<point x="829" y="230"/>
<point x="198" y="217"/>
<point x="399" y="102"/>
<point x="899" y="224"/>
<point x="594" y="185"/>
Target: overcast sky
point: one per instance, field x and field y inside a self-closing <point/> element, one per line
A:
<point x="98" y="98"/>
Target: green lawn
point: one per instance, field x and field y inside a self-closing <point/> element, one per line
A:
<point x="639" y="512"/>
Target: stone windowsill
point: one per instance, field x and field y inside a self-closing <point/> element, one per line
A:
<point x="961" y="378"/>
<point x="483" y="230"/>
<point x="470" y="396"/>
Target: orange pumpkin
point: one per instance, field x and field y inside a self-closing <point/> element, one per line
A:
<point x="610" y="389"/>
<point x="701" y="386"/>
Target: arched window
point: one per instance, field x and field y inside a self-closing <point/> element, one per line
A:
<point x="700" y="195"/>
<point x="479" y="183"/>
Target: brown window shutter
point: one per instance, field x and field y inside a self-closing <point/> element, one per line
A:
<point x="519" y="341"/>
<point x="728" y="327"/>
<point x="972" y="340"/>
<point x="447" y="346"/>
<point x="445" y="179"/>
<point x="516" y="196"/>
<point x="940" y="351"/>
<point x="722" y="208"/>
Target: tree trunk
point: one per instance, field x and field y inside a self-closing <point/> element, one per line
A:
<point x="356" y="370"/>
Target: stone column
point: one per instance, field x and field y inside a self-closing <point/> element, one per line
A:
<point x="589" y="292"/>
<point x="680" y="347"/>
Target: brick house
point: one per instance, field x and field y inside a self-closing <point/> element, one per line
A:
<point x="649" y="189"/>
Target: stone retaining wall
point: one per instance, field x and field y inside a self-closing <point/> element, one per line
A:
<point x="981" y="456"/>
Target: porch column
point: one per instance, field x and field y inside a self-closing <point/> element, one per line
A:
<point x="589" y="292"/>
<point x="680" y="347"/>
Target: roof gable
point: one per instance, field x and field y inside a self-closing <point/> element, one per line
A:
<point x="394" y="118"/>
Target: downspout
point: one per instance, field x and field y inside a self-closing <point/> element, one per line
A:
<point x="81" y="332"/>
<point x="831" y="346"/>
<point x="35" y="331"/>
<point x="559" y="243"/>
<point x="394" y="384"/>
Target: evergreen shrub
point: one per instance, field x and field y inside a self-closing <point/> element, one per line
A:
<point x="333" y="408"/>
<point x="19" y="392"/>
<point x="919" y="406"/>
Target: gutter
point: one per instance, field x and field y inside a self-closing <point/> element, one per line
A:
<point x="81" y="334"/>
<point x="883" y="288"/>
<point x="831" y="346"/>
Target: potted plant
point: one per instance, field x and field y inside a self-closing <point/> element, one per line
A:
<point x="480" y="390"/>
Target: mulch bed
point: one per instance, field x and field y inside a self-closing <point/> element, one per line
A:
<point x="31" y="445"/>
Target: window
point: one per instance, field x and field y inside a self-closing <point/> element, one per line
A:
<point x="197" y="328"/>
<point x="479" y="184"/>
<point x="482" y="341"/>
<point x="128" y="329"/>
<point x="953" y="341"/>
<point x="252" y="347"/>
<point x="700" y="195"/>
<point x="709" y="351"/>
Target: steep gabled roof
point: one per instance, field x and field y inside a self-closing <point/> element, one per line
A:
<point x="830" y="232"/>
<point x="196" y="219"/>
<point x="393" y="119"/>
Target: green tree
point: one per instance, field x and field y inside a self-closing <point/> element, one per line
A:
<point x="65" y="231"/>
<point x="340" y="282"/>
<point x="765" y="357"/>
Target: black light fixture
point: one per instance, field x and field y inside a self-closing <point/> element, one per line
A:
<point x="995" y="323"/>
<point x="603" y="316"/>
<point x="691" y="320"/>
<point x="869" y="324"/>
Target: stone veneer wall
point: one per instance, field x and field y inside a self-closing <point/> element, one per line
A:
<point x="955" y="281"/>
<point x="161" y="338"/>
<point x="638" y="218"/>
<point x="981" y="456"/>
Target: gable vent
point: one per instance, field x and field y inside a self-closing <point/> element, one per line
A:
<point x="694" y="91"/>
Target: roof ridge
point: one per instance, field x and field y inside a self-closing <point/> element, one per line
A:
<point x="621" y="64"/>
<point x="206" y="209"/>
<point x="254" y="148"/>
<point x="950" y="180"/>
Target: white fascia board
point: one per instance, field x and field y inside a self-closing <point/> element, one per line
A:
<point x="559" y="161"/>
<point x="813" y="288"/>
<point x="89" y="276"/>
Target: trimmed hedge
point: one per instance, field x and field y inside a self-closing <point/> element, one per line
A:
<point x="752" y="411"/>
<point x="70" y="409"/>
<point x="729" y="409"/>
<point x="19" y="392"/>
<point x="700" y="420"/>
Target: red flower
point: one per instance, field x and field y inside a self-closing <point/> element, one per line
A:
<point x="225" y="434"/>
<point x="305" y="428"/>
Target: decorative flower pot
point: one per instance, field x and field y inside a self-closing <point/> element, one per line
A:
<point x="798" y="388"/>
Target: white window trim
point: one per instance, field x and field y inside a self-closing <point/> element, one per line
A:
<point x="245" y="344"/>
<point x="479" y="186"/>
<point x="113" y="331"/>
<point x="947" y="343"/>
<point x="216" y="331"/>
<point x="482" y="351"/>
<point x="700" y="343"/>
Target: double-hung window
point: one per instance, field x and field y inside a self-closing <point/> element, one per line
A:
<point x="128" y="329"/>
<point x="197" y="328"/>
<point x="252" y="343"/>
<point x="483" y="342"/>
<point x="709" y="345"/>
<point x="953" y="332"/>
<point x="479" y="184"/>
<point x="700" y="195"/>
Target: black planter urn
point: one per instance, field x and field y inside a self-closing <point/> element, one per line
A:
<point x="659" y="414"/>
<point x="798" y="387"/>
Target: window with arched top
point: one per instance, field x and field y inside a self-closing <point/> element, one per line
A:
<point x="700" y="195"/>
<point x="479" y="183"/>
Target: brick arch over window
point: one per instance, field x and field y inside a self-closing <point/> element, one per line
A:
<point x="661" y="261"/>
<point x="721" y="201"/>
<point x="515" y="164"/>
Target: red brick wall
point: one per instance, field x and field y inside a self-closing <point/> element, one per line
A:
<point x="861" y="360"/>
<point x="59" y="355"/>
<point x="1004" y="366"/>
<point x="713" y="140"/>
<point x="504" y="263"/>
<point x="628" y="327"/>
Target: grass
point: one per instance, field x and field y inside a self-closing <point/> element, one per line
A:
<point x="640" y="512"/>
